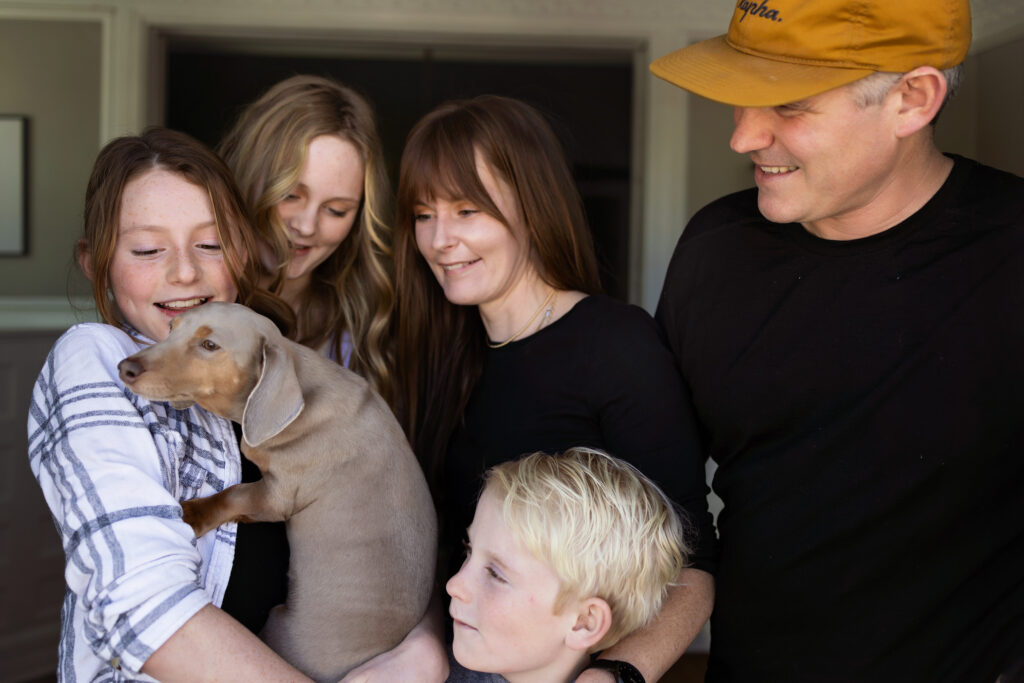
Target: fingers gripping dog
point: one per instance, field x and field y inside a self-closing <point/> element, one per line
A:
<point x="336" y="466"/>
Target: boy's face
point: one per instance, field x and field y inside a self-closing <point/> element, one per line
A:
<point x="503" y="603"/>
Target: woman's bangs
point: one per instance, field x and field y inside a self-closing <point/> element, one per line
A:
<point x="445" y="168"/>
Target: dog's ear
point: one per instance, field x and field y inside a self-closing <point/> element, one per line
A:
<point x="276" y="400"/>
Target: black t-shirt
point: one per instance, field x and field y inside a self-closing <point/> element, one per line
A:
<point x="600" y="376"/>
<point x="864" y="401"/>
<point x="259" y="574"/>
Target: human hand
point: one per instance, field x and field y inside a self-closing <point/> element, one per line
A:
<point x="595" y="676"/>
<point x="414" y="659"/>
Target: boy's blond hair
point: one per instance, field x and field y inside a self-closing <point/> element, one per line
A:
<point x="604" y="528"/>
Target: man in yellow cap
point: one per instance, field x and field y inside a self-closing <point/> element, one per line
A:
<point x="852" y="331"/>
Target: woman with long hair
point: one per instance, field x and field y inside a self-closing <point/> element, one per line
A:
<point x="165" y="232"/>
<point x="505" y="345"/>
<point x="308" y="160"/>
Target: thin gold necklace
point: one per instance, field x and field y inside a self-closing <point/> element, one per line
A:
<point x="547" y="314"/>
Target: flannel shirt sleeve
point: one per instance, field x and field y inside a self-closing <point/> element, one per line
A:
<point x="110" y="477"/>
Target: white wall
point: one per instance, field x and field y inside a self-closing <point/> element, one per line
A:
<point x="1000" y="124"/>
<point x="50" y="73"/>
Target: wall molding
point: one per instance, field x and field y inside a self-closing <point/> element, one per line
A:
<point x="105" y="16"/>
<point x="995" y="22"/>
<point x="41" y="313"/>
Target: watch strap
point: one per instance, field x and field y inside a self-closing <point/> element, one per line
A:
<point x="624" y="671"/>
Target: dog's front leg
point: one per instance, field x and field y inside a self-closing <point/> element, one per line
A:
<point x="240" y="503"/>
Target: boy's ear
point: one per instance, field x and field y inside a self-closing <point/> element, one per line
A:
<point x="84" y="258"/>
<point x="594" y="618"/>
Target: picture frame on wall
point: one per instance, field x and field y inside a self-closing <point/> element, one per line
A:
<point x="13" y="185"/>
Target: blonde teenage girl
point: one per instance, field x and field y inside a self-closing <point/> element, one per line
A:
<point x="308" y="160"/>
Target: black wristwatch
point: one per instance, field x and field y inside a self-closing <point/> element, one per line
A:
<point x="624" y="671"/>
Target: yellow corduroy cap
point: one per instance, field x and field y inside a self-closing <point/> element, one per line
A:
<point x="780" y="51"/>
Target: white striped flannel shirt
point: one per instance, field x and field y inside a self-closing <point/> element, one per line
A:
<point x="113" y="468"/>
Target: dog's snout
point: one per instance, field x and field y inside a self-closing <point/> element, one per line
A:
<point x="129" y="369"/>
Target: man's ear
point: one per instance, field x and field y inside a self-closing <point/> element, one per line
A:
<point x="83" y="257"/>
<point x="921" y="93"/>
<point x="593" y="619"/>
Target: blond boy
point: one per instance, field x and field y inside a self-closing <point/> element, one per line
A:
<point x="567" y="554"/>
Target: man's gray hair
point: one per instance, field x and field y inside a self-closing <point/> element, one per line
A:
<point x="871" y="90"/>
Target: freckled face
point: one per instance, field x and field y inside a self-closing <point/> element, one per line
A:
<point x="319" y="212"/>
<point x="168" y="258"/>
<point x="503" y="602"/>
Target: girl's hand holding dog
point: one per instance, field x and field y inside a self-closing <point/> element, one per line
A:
<point x="421" y="656"/>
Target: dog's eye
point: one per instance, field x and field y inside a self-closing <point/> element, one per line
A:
<point x="208" y="345"/>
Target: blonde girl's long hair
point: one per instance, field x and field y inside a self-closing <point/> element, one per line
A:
<point x="352" y="290"/>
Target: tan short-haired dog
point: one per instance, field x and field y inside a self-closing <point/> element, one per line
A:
<point x="336" y="465"/>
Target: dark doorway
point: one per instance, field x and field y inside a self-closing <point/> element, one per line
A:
<point x="588" y="103"/>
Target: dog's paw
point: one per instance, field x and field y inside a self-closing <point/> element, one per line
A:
<point x="192" y="514"/>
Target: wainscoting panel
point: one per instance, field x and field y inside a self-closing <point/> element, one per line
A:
<point x="31" y="559"/>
